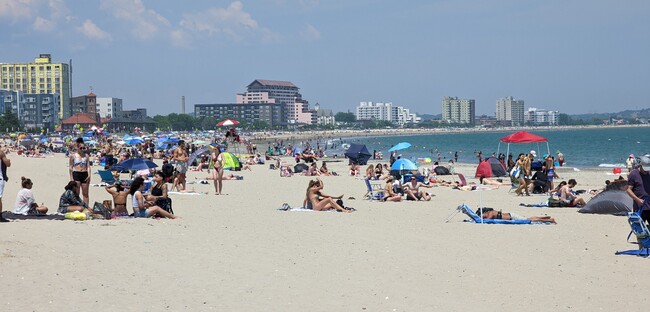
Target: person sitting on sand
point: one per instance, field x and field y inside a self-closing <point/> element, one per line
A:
<point x="312" y="200"/>
<point x="413" y="191"/>
<point x="313" y="170"/>
<point x="119" y="195"/>
<point x="389" y="193"/>
<point x="25" y="201"/>
<point x="489" y="213"/>
<point x="158" y="195"/>
<point x="70" y="200"/>
<point x="324" y="171"/>
<point x="568" y="198"/>
<point x="354" y="170"/>
<point x="140" y="207"/>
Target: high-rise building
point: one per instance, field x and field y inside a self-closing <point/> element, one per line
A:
<point x="269" y="113"/>
<point x="386" y="112"/>
<point x="510" y="111"/>
<point x="283" y="93"/>
<point x="455" y="110"/>
<point x="108" y="107"/>
<point x="40" y="77"/>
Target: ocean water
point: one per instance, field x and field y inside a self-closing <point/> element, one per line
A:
<point x="582" y="148"/>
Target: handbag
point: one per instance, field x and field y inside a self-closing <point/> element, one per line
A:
<point x="515" y="172"/>
<point x="165" y="204"/>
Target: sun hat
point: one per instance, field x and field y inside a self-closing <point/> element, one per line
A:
<point x="533" y="153"/>
<point x="645" y="161"/>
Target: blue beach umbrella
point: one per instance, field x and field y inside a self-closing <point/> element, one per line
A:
<point x="403" y="164"/>
<point x="400" y="146"/>
<point x="134" y="164"/>
<point x="133" y="141"/>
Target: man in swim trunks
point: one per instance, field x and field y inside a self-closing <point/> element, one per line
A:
<point x="413" y="192"/>
<point x="181" y="158"/>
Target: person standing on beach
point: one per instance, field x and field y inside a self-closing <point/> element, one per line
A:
<point x="181" y="158"/>
<point x="638" y="182"/>
<point x="217" y="170"/>
<point x="4" y="163"/>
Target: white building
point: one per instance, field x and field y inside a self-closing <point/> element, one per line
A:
<point x="544" y="117"/>
<point x="510" y="110"/>
<point x="324" y="116"/>
<point x="387" y="112"/>
<point x="109" y="107"/>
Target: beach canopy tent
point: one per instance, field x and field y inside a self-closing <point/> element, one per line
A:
<point x="358" y="154"/>
<point x="615" y="202"/>
<point x="230" y="161"/>
<point x="491" y="167"/>
<point x="523" y="137"/>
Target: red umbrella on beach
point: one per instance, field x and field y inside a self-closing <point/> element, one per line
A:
<point x="227" y="122"/>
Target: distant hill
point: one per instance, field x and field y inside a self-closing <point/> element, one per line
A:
<point x="426" y="117"/>
<point x="643" y="113"/>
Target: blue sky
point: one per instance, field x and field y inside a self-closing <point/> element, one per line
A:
<point x="568" y="55"/>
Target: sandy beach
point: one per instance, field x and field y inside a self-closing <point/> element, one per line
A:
<point x="237" y="252"/>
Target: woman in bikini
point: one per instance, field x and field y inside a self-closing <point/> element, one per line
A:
<point x="140" y="207"/>
<point x="119" y="199"/>
<point x="312" y="200"/>
<point x="217" y="172"/>
<point x="80" y="170"/>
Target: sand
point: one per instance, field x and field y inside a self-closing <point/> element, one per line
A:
<point x="237" y="252"/>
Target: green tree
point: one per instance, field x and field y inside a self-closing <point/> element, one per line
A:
<point x="345" y="117"/>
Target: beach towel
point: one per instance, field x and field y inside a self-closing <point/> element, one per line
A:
<point x="476" y="219"/>
<point x="12" y="216"/>
<point x="185" y="193"/>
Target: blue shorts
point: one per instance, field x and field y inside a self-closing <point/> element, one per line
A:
<point x="141" y="213"/>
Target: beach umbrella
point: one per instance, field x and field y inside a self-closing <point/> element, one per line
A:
<point x="199" y="142"/>
<point x="400" y="146"/>
<point x="134" y="164"/>
<point x="133" y="141"/>
<point x="403" y="164"/>
<point x="199" y="152"/>
<point x="227" y="122"/>
<point x="229" y="161"/>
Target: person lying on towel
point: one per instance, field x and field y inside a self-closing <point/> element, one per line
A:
<point x="489" y="213"/>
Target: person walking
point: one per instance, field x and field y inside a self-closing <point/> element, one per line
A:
<point x="4" y="164"/>
<point x="638" y="182"/>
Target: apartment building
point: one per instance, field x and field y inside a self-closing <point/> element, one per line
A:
<point x="385" y="111"/>
<point x="510" y="111"/>
<point x="34" y="110"/>
<point x="40" y="77"/>
<point x="455" y="110"/>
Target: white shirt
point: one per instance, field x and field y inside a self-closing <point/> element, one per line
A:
<point x="24" y="200"/>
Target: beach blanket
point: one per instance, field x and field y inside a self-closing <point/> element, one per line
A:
<point x="12" y="216"/>
<point x="543" y="204"/>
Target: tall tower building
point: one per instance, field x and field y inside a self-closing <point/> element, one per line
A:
<point x="40" y="77"/>
<point x="510" y="111"/>
<point x="284" y="93"/>
<point x="455" y="110"/>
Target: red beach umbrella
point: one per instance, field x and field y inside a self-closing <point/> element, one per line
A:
<point x="227" y="122"/>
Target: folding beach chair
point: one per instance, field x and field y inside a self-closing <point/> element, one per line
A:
<point x="374" y="190"/>
<point x="642" y="234"/>
<point x="106" y="176"/>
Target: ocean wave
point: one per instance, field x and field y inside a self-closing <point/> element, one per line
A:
<point x="611" y="165"/>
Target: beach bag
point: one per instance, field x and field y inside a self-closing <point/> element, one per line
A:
<point x="639" y="228"/>
<point x="552" y="202"/>
<point x="99" y="209"/>
<point x="515" y="172"/>
<point x="340" y="202"/>
<point x="165" y="204"/>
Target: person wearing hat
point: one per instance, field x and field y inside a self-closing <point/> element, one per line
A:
<point x="630" y="163"/>
<point x="638" y="181"/>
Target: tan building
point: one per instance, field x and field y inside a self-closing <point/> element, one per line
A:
<point x="42" y="77"/>
<point x="510" y="111"/>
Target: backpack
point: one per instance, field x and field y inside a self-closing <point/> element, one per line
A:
<point x="515" y="172"/>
